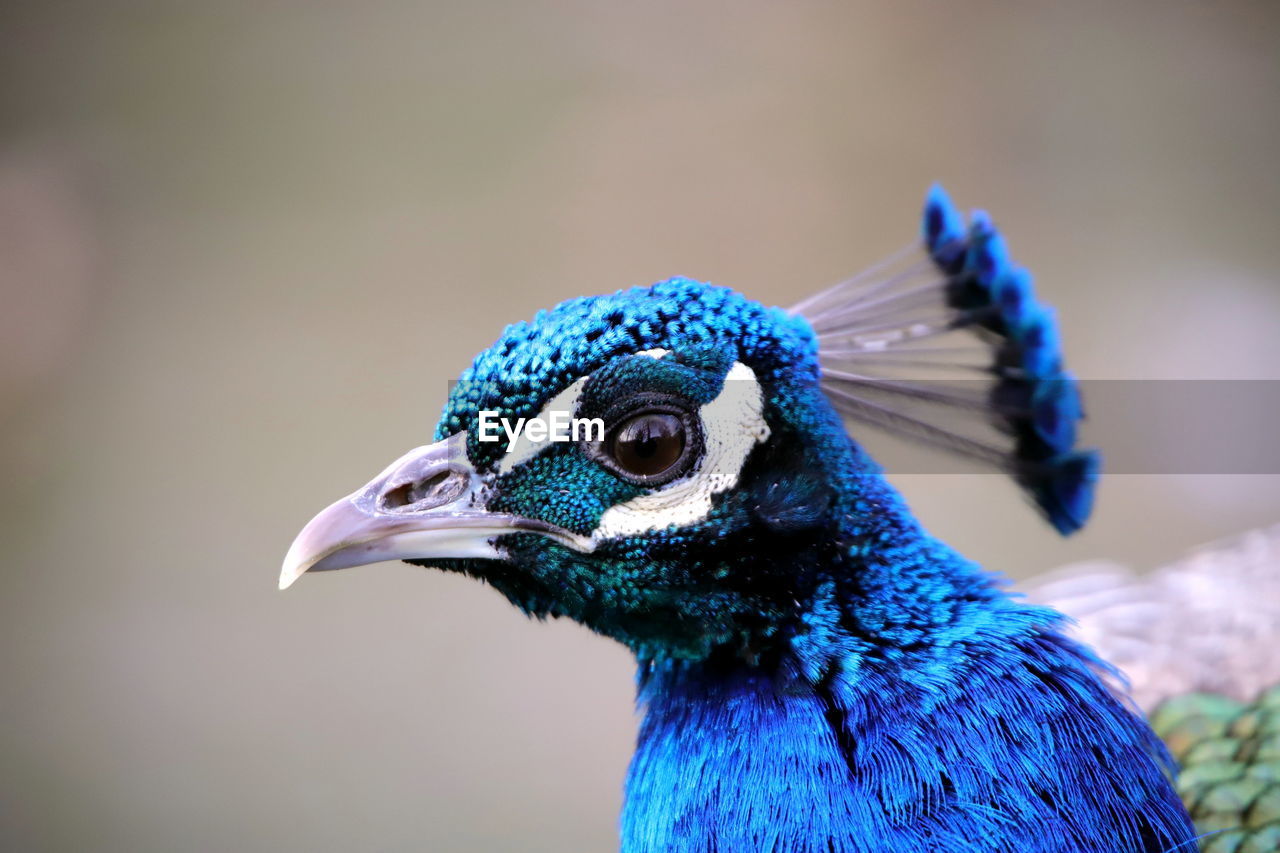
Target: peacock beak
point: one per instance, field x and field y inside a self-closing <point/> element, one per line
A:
<point x="426" y="505"/>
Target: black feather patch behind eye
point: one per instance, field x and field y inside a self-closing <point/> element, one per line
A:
<point x="790" y="499"/>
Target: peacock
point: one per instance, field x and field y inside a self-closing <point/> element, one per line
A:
<point x="815" y="671"/>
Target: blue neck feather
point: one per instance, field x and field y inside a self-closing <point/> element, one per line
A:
<point x="945" y="717"/>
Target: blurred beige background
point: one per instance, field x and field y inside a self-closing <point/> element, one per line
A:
<point x="245" y="245"/>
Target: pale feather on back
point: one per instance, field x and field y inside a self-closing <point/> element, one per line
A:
<point x="1207" y="623"/>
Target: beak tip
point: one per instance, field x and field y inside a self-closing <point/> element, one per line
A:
<point x="294" y="567"/>
<point x="288" y="575"/>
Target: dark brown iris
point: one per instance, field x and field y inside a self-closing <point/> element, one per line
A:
<point x="648" y="444"/>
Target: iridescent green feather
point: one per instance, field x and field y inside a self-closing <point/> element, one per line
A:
<point x="1229" y="754"/>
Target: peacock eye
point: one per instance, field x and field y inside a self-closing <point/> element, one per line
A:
<point x="647" y="445"/>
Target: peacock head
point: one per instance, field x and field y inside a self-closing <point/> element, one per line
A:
<point x="669" y="465"/>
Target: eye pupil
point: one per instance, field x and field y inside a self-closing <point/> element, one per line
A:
<point x="648" y="444"/>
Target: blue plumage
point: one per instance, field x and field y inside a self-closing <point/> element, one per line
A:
<point x="972" y="758"/>
<point x="816" y="672"/>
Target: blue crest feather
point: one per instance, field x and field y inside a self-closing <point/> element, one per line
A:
<point x="951" y="347"/>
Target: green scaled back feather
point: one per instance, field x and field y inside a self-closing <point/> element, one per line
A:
<point x="1229" y="755"/>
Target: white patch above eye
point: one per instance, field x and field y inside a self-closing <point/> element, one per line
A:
<point x="522" y="449"/>
<point x="732" y="424"/>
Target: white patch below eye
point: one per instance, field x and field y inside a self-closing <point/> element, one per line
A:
<point x="732" y="424"/>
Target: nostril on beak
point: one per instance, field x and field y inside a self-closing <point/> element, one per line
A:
<point x="433" y="490"/>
